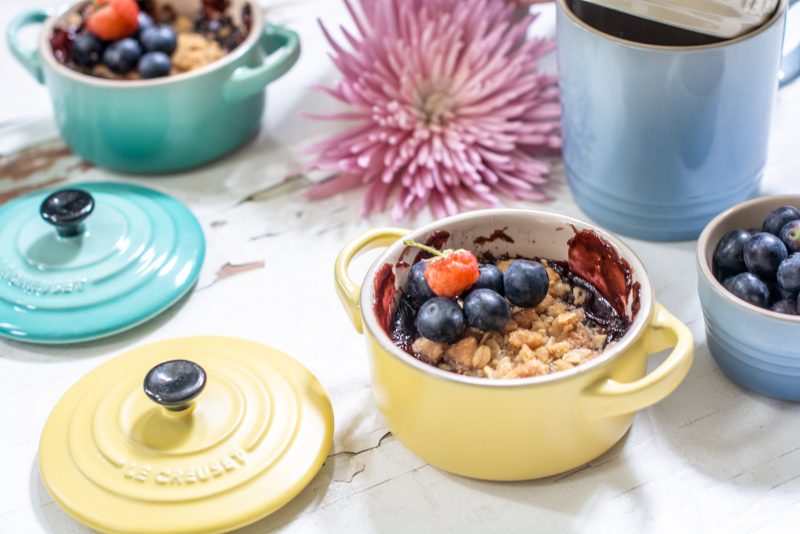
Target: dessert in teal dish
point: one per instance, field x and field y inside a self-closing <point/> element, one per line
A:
<point x="166" y="123"/>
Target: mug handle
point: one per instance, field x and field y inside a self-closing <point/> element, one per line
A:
<point x="608" y="398"/>
<point x="28" y="57"/>
<point x="790" y="64"/>
<point x="248" y="81"/>
<point x="349" y="291"/>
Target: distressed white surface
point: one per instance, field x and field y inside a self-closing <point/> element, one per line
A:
<point x="710" y="458"/>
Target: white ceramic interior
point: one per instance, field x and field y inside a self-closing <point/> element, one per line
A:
<point x="182" y="7"/>
<point x="747" y="215"/>
<point x="535" y="234"/>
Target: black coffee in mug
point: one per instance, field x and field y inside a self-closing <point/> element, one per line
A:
<point x="632" y="28"/>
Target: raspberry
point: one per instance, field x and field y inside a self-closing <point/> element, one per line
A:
<point x="451" y="272"/>
<point x="114" y="19"/>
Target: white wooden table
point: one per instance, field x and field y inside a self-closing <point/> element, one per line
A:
<point x="711" y="458"/>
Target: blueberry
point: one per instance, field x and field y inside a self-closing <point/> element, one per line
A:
<point x="750" y="288"/>
<point x="490" y="278"/>
<point x="778" y="218"/>
<point x="160" y="38"/>
<point x="417" y="288"/>
<point x="440" y="319"/>
<point x="729" y="254"/>
<point x="123" y="55"/>
<point x="526" y="283"/>
<point x="777" y="292"/>
<point x="154" y="65"/>
<point x="145" y="21"/>
<point x="787" y="306"/>
<point x="204" y="25"/>
<point x="212" y="26"/>
<point x="763" y="253"/>
<point x="234" y="39"/>
<point x="789" y="273"/>
<point x="790" y="235"/>
<point x="87" y="50"/>
<point x="728" y="283"/>
<point x="486" y="310"/>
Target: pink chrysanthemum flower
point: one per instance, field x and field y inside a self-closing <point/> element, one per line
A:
<point x="449" y="108"/>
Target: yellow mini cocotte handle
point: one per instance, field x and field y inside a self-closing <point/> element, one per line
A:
<point x="608" y="397"/>
<point x="349" y="291"/>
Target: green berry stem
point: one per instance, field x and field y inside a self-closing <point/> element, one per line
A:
<point x="429" y="250"/>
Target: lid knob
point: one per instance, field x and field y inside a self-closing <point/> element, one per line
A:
<point x="66" y="209"/>
<point x="174" y="384"/>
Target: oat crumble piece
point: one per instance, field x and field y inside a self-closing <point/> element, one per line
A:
<point x="183" y="24"/>
<point x="528" y="338"/>
<point x="194" y="51"/>
<point x="461" y="353"/>
<point x="431" y="351"/>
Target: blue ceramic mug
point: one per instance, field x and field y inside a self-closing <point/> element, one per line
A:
<point x="161" y="124"/>
<point x="660" y="139"/>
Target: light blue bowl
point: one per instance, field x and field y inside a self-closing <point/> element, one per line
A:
<point x="756" y="348"/>
<point x="163" y="124"/>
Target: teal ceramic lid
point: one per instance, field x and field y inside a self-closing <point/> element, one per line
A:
<point x="92" y="260"/>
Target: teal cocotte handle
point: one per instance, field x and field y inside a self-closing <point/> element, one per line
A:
<point x="283" y="48"/>
<point x="29" y="57"/>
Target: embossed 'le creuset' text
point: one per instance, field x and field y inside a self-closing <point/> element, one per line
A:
<point x="181" y="476"/>
<point x="38" y="287"/>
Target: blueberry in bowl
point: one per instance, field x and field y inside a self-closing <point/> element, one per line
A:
<point x="490" y="277"/>
<point x="729" y="253"/>
<point x="763" y="254"/>
<point x="440" y="319"/>
<point x="154" y="65"/>
<point x="486" y="310"/>
<point x="121" y="57"/>
<point x="526" y="283"/>
<point x="778" y="218"/>
<point x="790" y="235"/>
<point x="749" y="288"/>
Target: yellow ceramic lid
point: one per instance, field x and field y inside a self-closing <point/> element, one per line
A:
<point x="202" y="434"/>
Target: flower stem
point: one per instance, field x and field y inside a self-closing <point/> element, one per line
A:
<point x="429" y="250"/>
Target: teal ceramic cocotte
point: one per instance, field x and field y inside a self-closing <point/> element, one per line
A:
<point x="92" y="260"/>
<point x="163" y="124"/>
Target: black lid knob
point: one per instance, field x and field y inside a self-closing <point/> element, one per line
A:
<point x="66" y="209"/>
<point x="174" y="384"/>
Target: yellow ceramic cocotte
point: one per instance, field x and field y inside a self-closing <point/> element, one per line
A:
<point x="512" y="429"/>
<point x="220" y="437"/>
